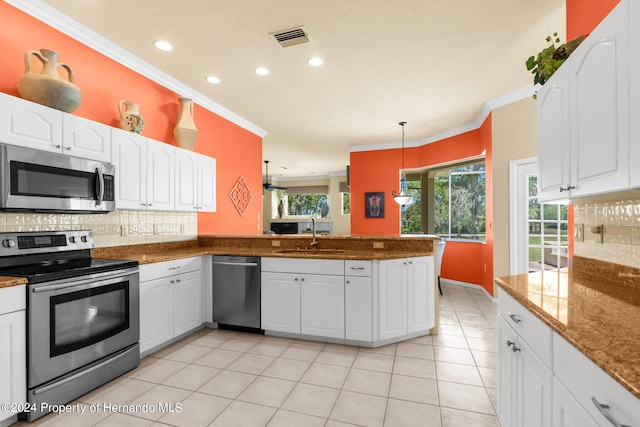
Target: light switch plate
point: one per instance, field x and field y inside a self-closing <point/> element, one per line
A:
<point x="595" y="233"/>
<point x="578" y="232"/>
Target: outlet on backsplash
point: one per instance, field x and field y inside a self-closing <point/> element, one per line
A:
<point x="595" y="233"/>
<point x="578" y="232"/>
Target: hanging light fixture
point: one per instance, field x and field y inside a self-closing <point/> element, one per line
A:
<point x="402" y="198"/>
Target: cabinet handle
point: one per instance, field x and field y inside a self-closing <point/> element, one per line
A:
<point x="172" y="281"/>
<point x="177" y="280"/>
<point x="58" y="146"/>
<point x="296" y="279"/>
<point x="302" y="280"/>
<point x="348" y="282"/>
<point x="174" y="268"/>
<point x="604" y="410"/>
<point x="567" y="188"/>
<point x="68" y="148"/>
<point x="514" y="317"/>
<point x="515" y="348"/>
<point x="510" y="343"/>
<point x="356" y="268"/>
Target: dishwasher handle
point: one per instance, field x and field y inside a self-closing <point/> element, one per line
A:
<point x="238" y="264"/>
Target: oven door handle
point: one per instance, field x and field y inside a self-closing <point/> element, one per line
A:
<point x="87" y="282"/>
<point x="100" y="187"/>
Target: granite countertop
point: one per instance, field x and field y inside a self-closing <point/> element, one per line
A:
<point x="593" y="305"/>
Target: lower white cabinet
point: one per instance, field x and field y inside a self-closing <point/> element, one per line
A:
<point x="322" y="305"/>
<point x="280" y="306"/>
<point x="567" y="412"/>
<point x="358" y="300"/>
<point x="13" y="348"/>
<point x="171" y="302"/>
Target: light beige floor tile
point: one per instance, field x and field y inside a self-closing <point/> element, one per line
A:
<point x="243" y="414"/>
<point x="485" y="359"/>
<point x="493" y="396"/>
<point x="374" y="362"/>
<point x="311" y="400"/>
<point x="454" y="355"/>
<point x="287" y="369"/>
<point x="120" y="391"/>
<point x="251" y="363"/>
<point x="421" y="390"/>
<point x="158" y="371"/>
<point x="302" y="351"/>
<point x="418" y="351"/>
<point x="489" y="377"/>
<point x="360" y="409"/>
<point x="187" y="353"/>
<point x="465" y="397"/>
<point x="168" y="349"/>
<point x="334" y="423"/>
<point x="425" y="339"/>
<point x="191" y="377"/>
<point x="325" y="375"/>
<point x="450" y="341"/>
<point x="422" y="368"/>
<point x="159" y="394"/>
<point x="211" y="340"/>
<point x="385" y="349"/>
<point x="269" y="348"/>
<point x="370" y="382"/>
<point x="410" y="414"/>
<point x="476" y="332"/>
<point x="284" y="418"/>
<point x="483" y="344"/>
<point x="457" y="418"/>
<point x="197" y="410"/>
<point x="66" y="420"/>
<point x="123" y="420"/>
<point x="267" y="391"/>
<point x="241" y="343"/>
<point x="228" y="384"/>
<point x="218" y="358"/>
<point x="450" y="329"/>
<point x="457" y="373"/>
<point x="337" y="356"/>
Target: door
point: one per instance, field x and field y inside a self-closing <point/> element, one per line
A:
<point x="85" y="138"/>
<point x="567" y="412"/>
<point x="31" y="125"/>
<point x="186" y="175"/>
<point x="392" y="298"/>
<point x="420" y="294"/>
<point x="322" y="305"/>
<point x="156" y="313"/>
<point x="206" y="184"/>
<point x="507" y="371"/>
<point x="130" y="158"/>
<point x="160" y="176"/>
<point x="357" y="302"/>
<point x="280" y="302"/>
<point x="187" y="302"/>
<point x="533" y="389"/>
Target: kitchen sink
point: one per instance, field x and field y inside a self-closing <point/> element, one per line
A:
<point x="310" y="251"/>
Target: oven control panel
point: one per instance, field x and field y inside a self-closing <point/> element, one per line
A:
<point x="45" y="241"/>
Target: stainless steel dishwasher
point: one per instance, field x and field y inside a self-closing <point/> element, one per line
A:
<point x="236" y="291"/>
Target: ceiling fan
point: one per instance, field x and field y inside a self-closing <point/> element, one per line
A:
<point x="266" y="184"/>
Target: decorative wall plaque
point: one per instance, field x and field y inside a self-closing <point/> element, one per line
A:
<point x="241" y="195"/>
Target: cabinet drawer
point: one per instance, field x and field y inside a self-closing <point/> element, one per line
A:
<point x="532" y="330"/>
<point x="332" y="267"/>
<point x="587" y="380"/>
<point x="169" y="268"/>
<point x="357" y="268"/>
<point x="13" y="298"/>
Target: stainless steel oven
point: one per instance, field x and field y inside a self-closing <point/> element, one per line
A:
<point x="33" y="180"/>
<point x="82" y="314"/>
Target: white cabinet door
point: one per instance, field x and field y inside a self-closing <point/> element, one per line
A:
<point x="130" y="157"/>
<point x="534" y="384"/>
<point x="160" y="176"/>
<point x="392" y="299"/>
<point x="85" y="138"/>
<point x="599" y="88"/>
<point x="13" y="359"/>
<point x="187" y="302"/>
<point x="322" y="305"/>
<point x="420" y="294"/>
<point x="567" y="412"/>
<point x="280" y="309"/>
<point x="186" y="180"/>
<point x="506" y="374"/>
<point x="357" y="301"/>
<point x="634" y="89"/>
<point x="29" y="124"/>
<point x="206" y="184"/>
<point x="553" y="138"/>
<point x="156" y="313"/>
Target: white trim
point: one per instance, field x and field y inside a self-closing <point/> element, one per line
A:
<point x="487" y="108"/>
<point x="469" y="285"/>
<point x="52" y="17"/>
<point x="514" y="226"/>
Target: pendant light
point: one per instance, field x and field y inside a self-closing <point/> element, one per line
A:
<point x="402" y="198"/>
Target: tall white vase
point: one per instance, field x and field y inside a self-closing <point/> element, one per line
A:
<point x="185" y="130"/>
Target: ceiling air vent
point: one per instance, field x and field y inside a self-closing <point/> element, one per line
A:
<point x="291" y="37"/>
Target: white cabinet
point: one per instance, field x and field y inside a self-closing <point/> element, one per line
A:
<point x="145" y="176"/>
<point x="171" y="302"/>
<point x="322" y="305"/>
<point x="280" y="302"/>
<point x="583" y="116"/>
<point x="358" y="294"/>
<point x="406" y="296"/>
<point x="567" y="412"/>
<point x="195" y="182"/>
<point x="32" y="125"/>
<point x="13" y="348"/>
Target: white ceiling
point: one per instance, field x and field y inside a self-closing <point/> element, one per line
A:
<point x="431" y="63"/>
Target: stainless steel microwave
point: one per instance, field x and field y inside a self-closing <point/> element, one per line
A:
<point x="38" y="181"/>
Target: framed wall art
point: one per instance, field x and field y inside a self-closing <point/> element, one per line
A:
<point x="374" y="204"/>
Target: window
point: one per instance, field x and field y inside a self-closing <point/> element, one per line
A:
<point x="305" y="204"/>
<point x="346" y="203"/>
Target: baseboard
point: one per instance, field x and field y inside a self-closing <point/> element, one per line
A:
<point x="469" y="285"/>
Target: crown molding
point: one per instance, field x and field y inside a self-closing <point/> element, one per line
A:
<point x="55" y="19"/>
<point x="487" y="108"/>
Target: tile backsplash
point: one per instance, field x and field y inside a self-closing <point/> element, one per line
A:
<point x="620" y="235"/>
<point x="113" y="229"/>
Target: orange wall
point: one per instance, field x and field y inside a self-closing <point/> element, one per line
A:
<point x="584" y="15"/>
<point x="104" y="82"/>
<point x="376" y="171"/>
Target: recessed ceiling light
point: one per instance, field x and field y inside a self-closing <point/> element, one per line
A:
<point x="261" y="71"/>
<point x="213" y="79"/>
<point x="163" y="45"/>
<point x="316" y="61"/>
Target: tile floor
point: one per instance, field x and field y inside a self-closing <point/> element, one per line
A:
<point x="223" y="378"/>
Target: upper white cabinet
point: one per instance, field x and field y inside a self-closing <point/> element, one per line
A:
<point x="145" y="177"/>
<point x="85" y="138"/>
<point x="583" y="116"/>
<point x="195" y="182"/>
<point x="634" y="90"/>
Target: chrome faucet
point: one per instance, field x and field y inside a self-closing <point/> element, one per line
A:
<point x="314" y="243"/>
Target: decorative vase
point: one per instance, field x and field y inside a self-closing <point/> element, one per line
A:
<point x="185" y="131"/>
<point x="280" y="209"/>
<point x="47" y="87"/>
<point x="130" y="118"/>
